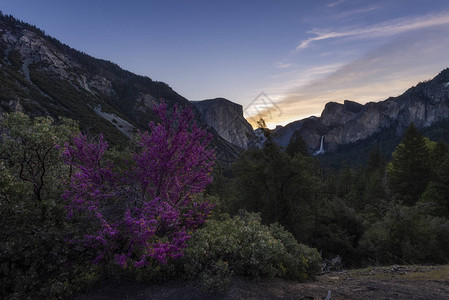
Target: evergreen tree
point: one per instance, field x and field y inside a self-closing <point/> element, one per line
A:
<point x="282" y="188"/>
<point x="437" y="156"/>
<point x="435" y="198"/>
<point x="443" y="175"/>
<point x="443" y="184"/>
<point x="297" y="145"/>
<point x="376" y="161"/>
<point x="373" y="181"/>
<point x="409" y="172"/>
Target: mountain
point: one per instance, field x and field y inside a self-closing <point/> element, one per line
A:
<point x="41" y="76"/>
<point x="227" y="119"/>
<point x="351" y="123"/>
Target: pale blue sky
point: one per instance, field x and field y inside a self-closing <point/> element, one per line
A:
<point x="302" y="54"/>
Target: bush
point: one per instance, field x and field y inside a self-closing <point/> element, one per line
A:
<point x="407" y="235"/>
<point x="338" y="232"/>
<point x="294" y="250"/>
<point x="243" y="246"/>
<point x="216" y="277"/>
<point x="35" y="260"/>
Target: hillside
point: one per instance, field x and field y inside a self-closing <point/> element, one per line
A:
<point x="41" y="76"/>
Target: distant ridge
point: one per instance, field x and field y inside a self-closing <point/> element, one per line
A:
<point x="425" y="104"/>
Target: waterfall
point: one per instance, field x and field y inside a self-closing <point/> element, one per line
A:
<point x="321" y="151"/>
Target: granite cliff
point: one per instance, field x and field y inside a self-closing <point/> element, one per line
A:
<point x="351" y="122"/>
<point x="227" y="119"/>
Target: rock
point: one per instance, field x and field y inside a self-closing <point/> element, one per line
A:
<point x="227" y="119"/>
<point x="350" y="122"/>
<point x="333" y="264"/>
<point x="283" y="134"/>
<point x="335" y="114"/>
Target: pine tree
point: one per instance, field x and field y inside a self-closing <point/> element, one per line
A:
<point x="297" y="145"/>
<point x="410" y="169"/>
<point x="443" y="176"/>
<point x="376" y="161"/>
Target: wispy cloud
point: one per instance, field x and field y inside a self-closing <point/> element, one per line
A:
<point x="379" y="30"/>
<point x="282" y="65"/>
<point x="302" y="77"/>
<point x="356" y="11"/>
<point x="385" y="71"/>
<point x="335" y="3"/>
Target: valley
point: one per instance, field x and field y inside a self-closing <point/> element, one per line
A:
<point x="113" y="185"/>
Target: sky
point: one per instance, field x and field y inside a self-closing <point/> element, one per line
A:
<point x="282" y="60"/>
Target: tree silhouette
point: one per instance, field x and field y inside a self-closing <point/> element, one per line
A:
<point x="297" y="145"/>
<point x="410" y="168"/>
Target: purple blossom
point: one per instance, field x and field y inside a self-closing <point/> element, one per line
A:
<point x="143" y="213"/>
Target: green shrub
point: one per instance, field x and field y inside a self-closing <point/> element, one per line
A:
<point x="216" y="277"/>
<point x="311" y="266"/>
<point x="35" y="259"/>
<point x="243" y="246"/>
<point x="406" y="235"/>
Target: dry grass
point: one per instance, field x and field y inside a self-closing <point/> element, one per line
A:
<point x="406" y="272"/>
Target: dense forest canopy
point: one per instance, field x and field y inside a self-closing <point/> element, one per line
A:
<point x="380" y="212"/>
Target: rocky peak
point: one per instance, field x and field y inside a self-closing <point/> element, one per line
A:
<point x="337" y="114"/>
<point x="352" y="106"/>
<point x="350" y="122"/>
<point x="226" y="117"/>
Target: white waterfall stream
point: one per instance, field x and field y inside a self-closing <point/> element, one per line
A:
<point x="321" y="151"/>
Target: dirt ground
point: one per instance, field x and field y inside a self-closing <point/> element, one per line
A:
<point x="393" y="282"/>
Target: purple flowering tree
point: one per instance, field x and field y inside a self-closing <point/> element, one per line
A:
<point x="149" y="210"/>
